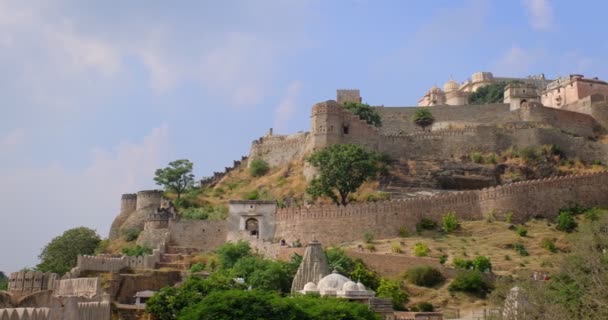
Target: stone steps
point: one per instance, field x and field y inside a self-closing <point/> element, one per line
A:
<point x="173" y="265"/>
<point x="172" y="258"/>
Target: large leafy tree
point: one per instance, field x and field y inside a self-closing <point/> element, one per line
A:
<point x="342" y="168"/>
<point x="177" y="177"/>
<point x="230" y="253"/>
<point x="264" y="274"/>
<point x="365" y="112"/>
<point x="423" y="117"/>
<point x="492" y="93"/>
<point x="61" y="254"/>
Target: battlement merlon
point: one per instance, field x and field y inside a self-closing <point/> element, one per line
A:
<point x="348" y="95"/>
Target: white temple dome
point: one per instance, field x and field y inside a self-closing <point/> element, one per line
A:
<point x="450" y="86"/>
<point x="361" y="286"/>
<point x="332" y="282"/>
<point x="310" y="287"/>
<point x="350" y="286"/>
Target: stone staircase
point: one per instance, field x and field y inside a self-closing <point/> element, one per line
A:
<point x="176" y="258"/>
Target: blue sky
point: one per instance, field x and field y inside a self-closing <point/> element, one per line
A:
<point x="98" y="94"/>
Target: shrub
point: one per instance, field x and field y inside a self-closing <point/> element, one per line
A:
<point x="509" y="217"/>
<point x="131" y="234"/>
<point x="565" y="222"/>
<point x="426" y="224"/>
<point x="450" y="222"/>
<point x="592" y="214"/>
<point x="423" y="307"/>
<point x="574" y="209"/>
<point x="253" y="195"/>
<point x="136" y="251"/>
<point x="370" y="247"/>
<point x="443" y="259"/>
<point x="470" y="282"/>
<point x="368" y="237"/>
<point x="507" y="257"/>
<point x="424" y="276"/>
<point x="521" y="249"/>
<point x="392" y="289"/>
<point x="476" y="157"/>
<point x="403" y="232"/>
<point x="258" y="167"/>
<point x="482" y="263"/>
<point x="197" y="267"/>
<point x="421" y="250"/>
<point x="521" y="231"/>
<point x="529" y="154"/>
<point x="396" y="247"/>
<point x="462" y="264"/>
<point x="549" y="245"/>
<point x="491" y="158"/>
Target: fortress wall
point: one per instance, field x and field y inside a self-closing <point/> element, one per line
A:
<point x="202" y="234"/>
<point x="102" y="263"/>
<point x="129" y="284"/>
<point x="149" y="199"/>
<point x="572" y="122"/>
<point x="79" y="287"/>
<point x="27" y="314"/>
<point x="332" y="224"/>
<point x="25" y="283"/>
<point x="399" y="119"/>
<point x="94" y="310"/>
<point x="279" y="150"/>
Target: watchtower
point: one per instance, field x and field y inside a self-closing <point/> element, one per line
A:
<point x="518" y="94"/>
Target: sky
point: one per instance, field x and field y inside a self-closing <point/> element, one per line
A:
<point x="96" y="95"/>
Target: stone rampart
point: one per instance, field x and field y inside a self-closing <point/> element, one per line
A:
<point x="26" y="314"/>
<point x="94" y="310"/>
<point x="78" y="287"/>
<point x="279" y="150"/>
<point x="203" y="234"/>
<point x="116" y="264"/>
<point x="217" y="176"/>
<point x="568" y="121"/>
<point x="25" y="283"/>
<point x="538" y="198"/>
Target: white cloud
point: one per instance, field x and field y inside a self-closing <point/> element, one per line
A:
<point x="287" y="107"/>
<point x="540" y="13"/>
<point x="13" y="138"/>
<point x="516" y="62"/>
<point x="65" y="198"/>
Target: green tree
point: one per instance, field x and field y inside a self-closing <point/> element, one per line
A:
<point x="177" y="177"/>
<point x="342" y="169"/>
<point x="264" y="274"/>
<point x="258" y="167"/>
<point x="492" y="93"/>
<point x="471" y="281"/>
<point x="392" y="289"/>
<point x="365" y="112"/>
<point x="61" y="254"/>
<point x="324" y="308"/>
<point x="423" y="117"/>
<point x="229" y="253"/>
<point x="368" y="278"/>
<point x="3" y="281"/>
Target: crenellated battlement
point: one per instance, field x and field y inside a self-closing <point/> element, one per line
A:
<point x="25" y="314"/>
<point x="23" y="283"/>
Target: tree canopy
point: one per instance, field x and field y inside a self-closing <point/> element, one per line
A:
<point x="3" y="281"/>
<point x="342" y="169"/>
<point x="177" y="177"/>
<point x="61" y="254"/>
<point x="423" y="117"/>
<point x="365" y="112"/>
<point x="492" y="93"/>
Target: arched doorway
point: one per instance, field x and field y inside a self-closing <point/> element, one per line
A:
<point x="523" y="103"/>
<point x="252" y="227"/>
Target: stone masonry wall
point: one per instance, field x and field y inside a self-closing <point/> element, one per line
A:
<point x="537" y="198"/>
<point x="203" y="234"/>
<point x="279" y="150"/>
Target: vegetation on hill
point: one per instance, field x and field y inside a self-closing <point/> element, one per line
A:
<point x="3" y="281"/>
<point x="258" y="167"/>
<point x="492" y="93"/>
<point x="342" y="169"/>
<point x="423" y="117"/>
<point x="365" y="112"/>
<point x="61" y="254"/>
<point x="177" y="177"/>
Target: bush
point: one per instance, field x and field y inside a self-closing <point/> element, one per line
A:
<point x="549" y="245"/>
<point x="482" y="263"/>
<point x="197" y="267"/>
<point x="368" y="237"/>
<point x="509" y="217"/>
<point x="443" y="259"/>
<point x="476" y="157"/>
<point x="529" y="154"/>
<point x="424" y="276"/>
<point x="396" y="247"/>
<point x="565" y="222"/>
<point x="136" y="251"/>
<point x="462" y="264"/>
<point x="253" y="195"/>
<point x="491" y="158"/>
<point x="592" y="214"/>
<point x="370" y="247"/>
<point x="423" y="307"/>
<point x="470" y="282"/>
<point x="521" y="249"/>
<point x="392" y="289"/>
<point x="131" y="234"/>
<point x="365" y="113"/>
<point x="521" y="231"/>
<point x="450" y="222"/>
<point x="421" y="250"/>
<point x="258" y="167"/>
<point x="426" y="224"/>
<point x="403" y="232"/>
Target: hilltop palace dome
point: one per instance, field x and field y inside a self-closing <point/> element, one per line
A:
<point x="451" y="86"/>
